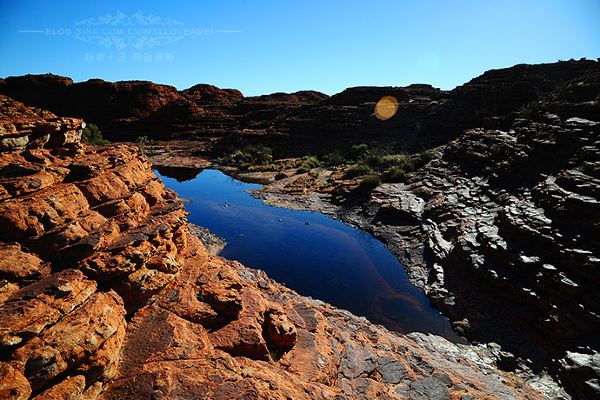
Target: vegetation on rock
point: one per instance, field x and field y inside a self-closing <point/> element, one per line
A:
<point x="249" y="155"/>
<point x="358" y="170"/>
<point x="307" y="164"/>
<point x="91" y="134"/>
<point x="368" y="183"/>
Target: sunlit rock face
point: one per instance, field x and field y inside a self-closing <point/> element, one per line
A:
<point x="105" y="294"/>
<point x="23" y="127"/>
<point x="86" y="235"/>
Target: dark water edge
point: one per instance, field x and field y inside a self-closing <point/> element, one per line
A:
<point x="180" y="174"/>
<point x="310" y="253"/>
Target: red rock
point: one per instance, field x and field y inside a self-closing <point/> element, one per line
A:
<point x="35" y="307"/>
<point x="209" y="94"/>
<point x="32" y="215"/>
<point x="173" y="356"/>
<point x="301" y="121"/>
<point x="71" y="340"/>
<point x="68" y="389"/>
<point x="103" y="364"/>
<point x="7" y="289"/>
<point x="17" y="265"/>
<point x="13" y="385"/>
<point x="242" y="337"/>
<point x="23" y="127"/>
<point x="279" y="331"/>
<point x="103" y="188"/>
<point x="92" y="392"/>
<point x="20" y="185"/>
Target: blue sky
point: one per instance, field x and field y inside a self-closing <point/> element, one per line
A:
<point x="287" y="45"/>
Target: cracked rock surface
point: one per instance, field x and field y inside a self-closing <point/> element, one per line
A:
<point x="104" y="294"/>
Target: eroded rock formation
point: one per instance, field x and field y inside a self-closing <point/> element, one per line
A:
<point x="300" y="122"/>
<point x="501" y="228"/>
<point x="105" y="294"/>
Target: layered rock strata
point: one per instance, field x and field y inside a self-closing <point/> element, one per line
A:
<point x="104" y="294"/>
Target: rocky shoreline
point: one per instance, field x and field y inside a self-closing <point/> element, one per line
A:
<point x="405" y="220"/>
<point x="501" y="258"/>
<point x="499" y="229"/>
<point x="214" y="244"/>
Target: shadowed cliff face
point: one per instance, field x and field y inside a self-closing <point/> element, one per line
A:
<point x="501" y="229"/>
<point x="104" y="294"/>
<point x="299" y="122"/>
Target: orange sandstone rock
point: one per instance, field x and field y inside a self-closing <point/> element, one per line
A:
<point x="98" y="237"/>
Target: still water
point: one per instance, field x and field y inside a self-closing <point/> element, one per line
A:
<point x="311" y="253"/>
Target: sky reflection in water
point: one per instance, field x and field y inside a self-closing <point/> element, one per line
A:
<point x="311" y="253"/>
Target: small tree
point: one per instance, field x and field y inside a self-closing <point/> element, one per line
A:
<point x="91" y="135"/>
<point x="143" y="141"/>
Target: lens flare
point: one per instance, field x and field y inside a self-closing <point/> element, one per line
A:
<point x="386" y="108"/>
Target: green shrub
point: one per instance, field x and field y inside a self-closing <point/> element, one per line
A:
<point x="239" y="157"/>
<point x="375" y="156"/>
<point x="409" y="165"/>
<point x="307" y="164"/>
<point x="335" y="158"/>
<point x="143" y="141"/>
<point x="390" y="160"/>
<point x="303" y="168"/>
<point x="368" y="183"/>
<point x="250" y="154"/>
<point x="394" y="174"/>
<point x="373" y="160"/>
<point x="91" y="135"/>
<point x="312" y="162"/>
<point x="358" y="170"/>
<point x="528" y="110"/>
<point x="422" y="158"/>
<point x="358" y="151"/>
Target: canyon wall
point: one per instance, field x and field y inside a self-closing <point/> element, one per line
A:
<point x="301" y="122"/>
<point x="503" y="229"/>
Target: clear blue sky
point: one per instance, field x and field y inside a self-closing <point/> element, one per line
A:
<point x="287" y="45"/>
